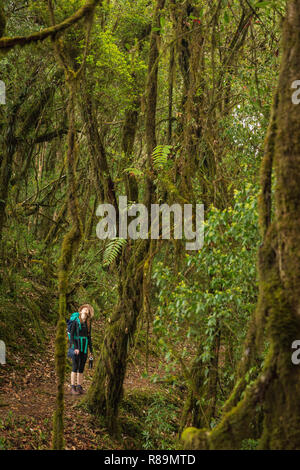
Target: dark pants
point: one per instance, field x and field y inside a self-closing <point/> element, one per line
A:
<point x="78" y="362"/>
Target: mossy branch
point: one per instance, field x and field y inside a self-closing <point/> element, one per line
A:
<point x="7" y="43"/>
<point x="237" y="424"/>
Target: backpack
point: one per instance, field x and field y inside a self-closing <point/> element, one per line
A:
<point x="73" y="317"/>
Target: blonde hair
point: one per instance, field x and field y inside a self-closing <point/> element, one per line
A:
<point x="90" y="314"/>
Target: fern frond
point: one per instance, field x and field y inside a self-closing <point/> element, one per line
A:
<point x="112" y="250"/>
<point x="160" y="156"/>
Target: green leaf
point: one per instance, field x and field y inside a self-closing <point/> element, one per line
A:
<point x="113" y="249"/>
<point x="162" y="21"/>
<point x="263" y="4"/>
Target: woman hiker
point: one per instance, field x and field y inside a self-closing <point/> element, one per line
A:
<point x="80" y="340"/>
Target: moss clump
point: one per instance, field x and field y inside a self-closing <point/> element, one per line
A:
<point x="194" y="438"/>
<point x="136" y="401"/>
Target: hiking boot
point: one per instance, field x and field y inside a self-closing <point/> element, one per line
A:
<point x="80" y="389"/>
<point x="73" y="390"/>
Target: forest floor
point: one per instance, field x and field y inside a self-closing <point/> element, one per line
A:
<point x="149" y="413"/>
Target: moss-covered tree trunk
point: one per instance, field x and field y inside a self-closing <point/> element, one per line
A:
<point x="200" y="405"/>
<point x="69" y="247"/>
<point x="106" y="391"/>
<point x="103" y="181"/>
<point x="277" y="389"/>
